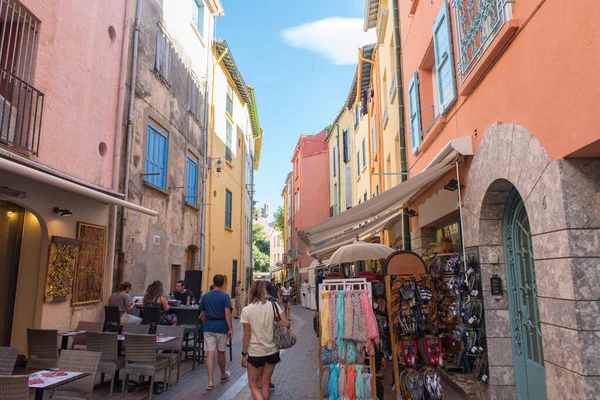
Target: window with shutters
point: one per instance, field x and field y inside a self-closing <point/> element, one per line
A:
<point x="346" y="145"/>
<point x="430" y="110"/>
<point x="198" y="16"/>
<point x="194" y="98"/>
<point x="358" y="164"/>
<point x="348" y="188"/>
<point x="364" y="153"/>
<point x="374" y="140"/>
<point x="334" y="162"/>
<point x="444" y="60"/>
<point x="191" y="184"/>
<point x="228" y="140"/>
<point x="162" y="59"/>
<point x="356" y="116"/>
<point x="414" y="111"/>
<point x="156" y="158"/>
<point x="228" y="208"/>
<point x="229" y="101"/>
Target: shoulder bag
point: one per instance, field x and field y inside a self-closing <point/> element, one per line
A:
<point x="283" y="337"/>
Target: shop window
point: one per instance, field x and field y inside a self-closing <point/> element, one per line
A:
<point x="448" y="236"/>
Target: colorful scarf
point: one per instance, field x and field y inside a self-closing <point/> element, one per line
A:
<point x="325" y="318"/>
<point x="339" y="317"/>
<point x="348" y="316"/>
<point x="332" y="319"/>
<point x="368" y="386"/>
<point x="351" y="381"/>
<point x="342" y="382"/>
<point x="325" y="381"/>
<point x="359" y="327"/>
<point x="360" y="385"/>
<point x="333" y="382"/>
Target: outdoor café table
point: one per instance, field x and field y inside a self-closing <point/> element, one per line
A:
<point x="39" y="382"/>
<point x="66" y="335"/>
<point x="159" y="339"/>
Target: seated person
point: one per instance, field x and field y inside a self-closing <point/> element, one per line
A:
<point x="154" y="297"/>
<point x="123" y="302"/>
<point x="182" y="294"/>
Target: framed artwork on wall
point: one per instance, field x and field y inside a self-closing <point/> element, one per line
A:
<point x="62" y="260"/>
<point x="89" y="272"/>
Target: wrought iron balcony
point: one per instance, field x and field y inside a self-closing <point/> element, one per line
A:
<point x="21" y="109"/>
<point x="477" y="22"/>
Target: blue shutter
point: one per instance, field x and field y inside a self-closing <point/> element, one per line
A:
<point x="444" y="60"/>
<point x="414" y="109"/>
<point x="156" y="158"/>
<point x="191" y="192"/>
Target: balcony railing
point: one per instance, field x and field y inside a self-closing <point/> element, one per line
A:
<point x="477" y="24"/>
<point x="21" y="109"/>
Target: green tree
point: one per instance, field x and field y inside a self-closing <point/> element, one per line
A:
<point x="280" y="219"/>
<point x="261" y="249"/>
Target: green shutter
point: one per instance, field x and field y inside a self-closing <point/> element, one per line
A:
<point x="414" y="109"/>
<point x="228" y="140"/>
<point x="444" y="60"/>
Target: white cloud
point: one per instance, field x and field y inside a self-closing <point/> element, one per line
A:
<point x="336" y="39"/>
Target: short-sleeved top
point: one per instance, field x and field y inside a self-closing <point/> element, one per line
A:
<point x="286" y="292"/>
<point x="261" y="319"/>
<point x="275" y="291"/>
<point x="182" y="297"/>
<point x="120" y="300"/>
<point x="214" y="304"/>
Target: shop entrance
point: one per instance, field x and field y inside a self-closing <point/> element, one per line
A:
<point x="528" y="357"/>
<point x="11" y="231"/>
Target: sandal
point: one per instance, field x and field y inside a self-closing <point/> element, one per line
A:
<point x="226" y="378"/>
<point x="210" y="387"/>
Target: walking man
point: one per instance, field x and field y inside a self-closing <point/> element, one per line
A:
<point x="215" y="312"/>
<point x="122" y="300"/>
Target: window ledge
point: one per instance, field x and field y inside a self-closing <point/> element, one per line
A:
<point x="228" y="229"/>
<point x="432" y="134"/>
<point x="190" y="205"/>
<point x="158" y="189"/>
<point x="229" y="163"/>
<point x="413" y="7"/>
<point x="497" y="47"/>
<point x="364" y="169"/>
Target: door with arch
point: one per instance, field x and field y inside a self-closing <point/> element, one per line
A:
<point x="528" y="356"/>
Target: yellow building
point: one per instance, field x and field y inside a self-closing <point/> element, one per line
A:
<point x="234" y="142"/>
<point x="340" y="139"/>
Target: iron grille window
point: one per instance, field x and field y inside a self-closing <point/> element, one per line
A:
<point x="228" y="140"/>
<point x="162" y="59"/>
<point x="229" y="103"/>
<point x="195" y="98"/>
<point x="228" y="207"/>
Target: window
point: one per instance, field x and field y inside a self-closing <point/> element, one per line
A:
<point x="444" y="60"/>
<point x="358" y="163"/>
<point x="428" y="97"/>
<point x="346" y="145"/>
<point x="335" y="199"/>
<point x="374" y="139"/>
<point x="334" y="162"/>
<point x="364" y="102"/>
<point x="348" y="188"/>
<point x="156" y="158"/>
<point x="228" y="140"/>
<point x="365" y="197"/>
<point x="229" y="101"/>
<point x="356" y="116"/>
<point x="364" y="153"/>
<point x="414" y="109"/>
<point x="191" y="184"/>
<point x="376" y="190"/>
<point x="194" y="98"/>
<point x="198" y="16"/>
<point x="228" y="206"/>
<point x="162" y="59"/>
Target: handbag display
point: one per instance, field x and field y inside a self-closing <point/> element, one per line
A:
<point x="283" y="336"/>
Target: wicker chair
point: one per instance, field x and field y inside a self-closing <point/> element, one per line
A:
<point x="137" y="329"/>
<point x="110" y="363"/>
<point x="78" y="361"/>
<point x="87" y="326"/>
<point x="14" y="387"/>
<point x="42" y="347"/>
<point x="172" y="350"/>
<point x="8" y="358"/>
<point x="190" y="321"/>
<point x="141" y="359"/>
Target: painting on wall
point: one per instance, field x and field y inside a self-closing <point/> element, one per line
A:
<point x="89" y="272"/>
<point x="62" y="259"/>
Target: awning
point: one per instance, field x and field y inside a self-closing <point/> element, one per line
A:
<point x="69" y="186"/>
<point x="379" y="210"/>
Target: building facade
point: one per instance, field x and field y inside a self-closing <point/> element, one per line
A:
<point x="166" y="145"/>
<point x="59" y="188"/>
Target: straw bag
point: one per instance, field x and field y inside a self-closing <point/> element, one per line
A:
<point x="283" y="337"/>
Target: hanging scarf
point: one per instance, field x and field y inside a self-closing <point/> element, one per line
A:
<point x="333" y="382"/>
<point x="368" y="386"/>
<point x="360" y="353"/>
<point x="359" y="327"/>
<point x="371" y="322"/>
<point x="350" y="352"/>
<point x="348" y="316"/>
<point x="351" y="381"/>
<point x="326" y="356"/>
<point x="339" y="317"/>
<point x="332" y="319"/>
<point x="325" y="318"/>
<point x="325" y="381"/>
<point x="342" y="382"/>
<point x="360" y="385"/>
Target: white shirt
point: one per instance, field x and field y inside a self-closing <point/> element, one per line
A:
<point x="261" y="319"/>
<point x="286" y="292"/>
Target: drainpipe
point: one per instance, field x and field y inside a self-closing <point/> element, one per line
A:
<point x="136" y="35"/>
<point x="400" y="97"/>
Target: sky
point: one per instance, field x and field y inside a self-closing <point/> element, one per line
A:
<point x="300" y="56"/>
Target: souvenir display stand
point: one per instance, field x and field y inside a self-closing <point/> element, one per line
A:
<point x="342" y="355"/>
<point x="414" y="325"/>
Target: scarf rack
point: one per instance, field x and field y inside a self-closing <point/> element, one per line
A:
<point x="346" y="284"/>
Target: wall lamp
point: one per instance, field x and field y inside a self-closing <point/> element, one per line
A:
<point x="411" y="213"/>
<point x="62" y="212"/>
<point x="218" y="164"/>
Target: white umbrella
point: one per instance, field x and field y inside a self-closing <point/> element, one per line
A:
<point x="359" y="251"/>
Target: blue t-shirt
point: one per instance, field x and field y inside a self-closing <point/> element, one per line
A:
<point x="214" y="304"/>
<point x="275" y="291"/>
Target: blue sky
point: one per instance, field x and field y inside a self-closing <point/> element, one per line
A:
<point x="300" y="56"/>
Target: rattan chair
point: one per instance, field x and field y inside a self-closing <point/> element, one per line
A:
<point x="8" y="358"/>
<point x="112" y="319"/>
<point x="141" y="359"/>
<point x="172" y="350"/>
<point x="42" y="349"/>
<point x="110" y="363"/>
<point x="190" y="321"/>
<point x="14" y="387"/>
<point x="88" y="326"/>
<point x="137" y="329"/>
<point x="78" y="361"/>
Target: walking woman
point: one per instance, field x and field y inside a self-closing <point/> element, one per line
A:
<point x="286" y="298"/>
<point x="155" y="297"/>
<point x="259" y="353"/>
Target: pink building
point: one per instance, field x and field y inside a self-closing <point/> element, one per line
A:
<point x="310" y="199"/>
<point x="62" y="84"/>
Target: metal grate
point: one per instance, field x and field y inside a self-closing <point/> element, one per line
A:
<point x="19" y="34"/>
